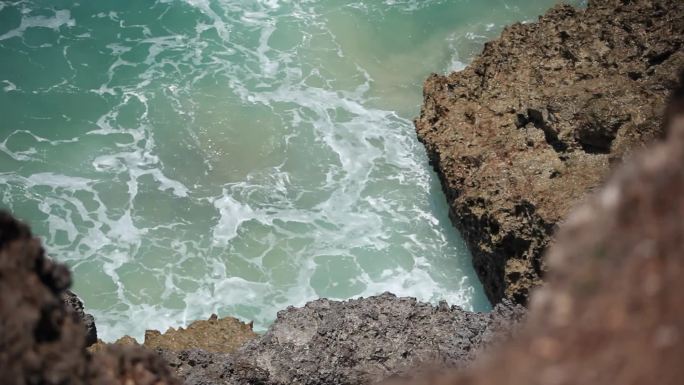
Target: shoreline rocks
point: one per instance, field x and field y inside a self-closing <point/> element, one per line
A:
<point x="217" y="335"/>
<point x="359" y="341"/>
<point x="539" y="119"/>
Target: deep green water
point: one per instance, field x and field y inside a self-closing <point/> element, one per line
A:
<point x="236" y="157"/>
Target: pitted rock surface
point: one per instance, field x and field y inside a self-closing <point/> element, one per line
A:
<point x="611" y="310"/>
<point x="538" y="120"/>
<point x="359" y="341"/>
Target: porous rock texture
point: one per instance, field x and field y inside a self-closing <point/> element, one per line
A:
<point x="539" y="118"/>
<point x="360" y="341"/>
<point x="42" y="339"/>
<point x="215" y="335"/>
<point x="219" y="335"/>
<point x="611" y="311"/>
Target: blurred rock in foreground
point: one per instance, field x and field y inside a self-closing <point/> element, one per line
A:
<point x="42" y="339"/>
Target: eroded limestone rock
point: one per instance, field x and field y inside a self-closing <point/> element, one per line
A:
<point x="538" y="120"/>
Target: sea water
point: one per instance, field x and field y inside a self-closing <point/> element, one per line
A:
<point x="234" y="156"/>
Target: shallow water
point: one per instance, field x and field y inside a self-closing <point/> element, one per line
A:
<point x="234" y="157"/>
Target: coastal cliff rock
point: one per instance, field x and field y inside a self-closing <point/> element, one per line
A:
<point x="360" y="341"/>
<point x="611" y="311"/>
<point x="538" y="120"/>
<point x="218" y="335"/>
<point x="215" y="335"/>
<point x="42" y="338"/>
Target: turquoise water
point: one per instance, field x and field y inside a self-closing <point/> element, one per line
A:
<point x="234" y="157"/>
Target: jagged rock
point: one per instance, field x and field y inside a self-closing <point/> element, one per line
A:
<point x="74" y="303"/>
<point x="611" y="311"/>
<point x="222" y="335"/>
<point x="358" y="341"/>
<point x="539" y="118"/>
<point x="123" y="341"/>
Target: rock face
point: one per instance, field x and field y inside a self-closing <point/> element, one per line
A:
<point x="42" y="338"/>
<point x="537" y="120"/>
<point x="359" y="341"/>
<point x="74" y="303"/>
<point x="216" y="335"/>
<point x="611" y="312"/>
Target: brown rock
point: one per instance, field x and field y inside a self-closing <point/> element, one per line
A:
<point x="537" y="120"/>
<point x="214" y="335"/>
<point x="611" y="312"/>
<point x="355" y="342"/>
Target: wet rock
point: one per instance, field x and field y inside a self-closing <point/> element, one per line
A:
<point x="76" y="305"/>
<point x="611" y="309"/>
<point x="222" y="335"/>
<point x="538" y="120"/>
<point x="358" y="341"/>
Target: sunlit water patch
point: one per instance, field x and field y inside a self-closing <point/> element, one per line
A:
<point x="234" y="157"/>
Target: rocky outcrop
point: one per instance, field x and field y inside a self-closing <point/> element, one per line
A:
<point x="218" y="335"/>
<point x="539" y="118"/>
<point x="611" y="310"/>
<point x="42" y="340"/>
<point x="359" y="341"/>
<point x="75" y="304"/>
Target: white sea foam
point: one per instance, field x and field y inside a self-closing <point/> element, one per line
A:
<point x="9" y="86"/>
<point x="232" y="214"/>
<point x="61" y="18"/>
